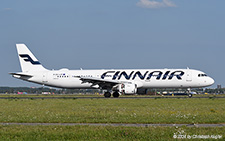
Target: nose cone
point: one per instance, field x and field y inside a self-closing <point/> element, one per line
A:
<point x="210" y="81"/>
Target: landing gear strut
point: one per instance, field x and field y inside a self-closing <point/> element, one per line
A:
<point x="189" y="92"/>
<point x="107" y="94"/>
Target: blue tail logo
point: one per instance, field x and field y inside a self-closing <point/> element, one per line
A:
<point x="27" y="58"/>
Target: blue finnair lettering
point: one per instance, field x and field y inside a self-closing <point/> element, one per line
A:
<point x="140" y="75"/>
<point x="125" y="75"/>
<point x="178" y="74"/>
<point x="104" y="74"/>
<point x="158" y="75"/>
<point x="29" y="59"/>
<point x="165" y="75"/>
<point x="117" y="75"/>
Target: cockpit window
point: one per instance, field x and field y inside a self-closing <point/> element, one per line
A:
<point x="202" y="75"/>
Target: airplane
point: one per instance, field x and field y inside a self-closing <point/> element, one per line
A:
<point x="115" y="82"/>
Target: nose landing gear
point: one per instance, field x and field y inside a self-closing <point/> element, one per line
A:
<point x="189" y="92"/>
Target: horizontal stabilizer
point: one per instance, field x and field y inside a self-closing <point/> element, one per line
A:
<point x="20" y="74"/>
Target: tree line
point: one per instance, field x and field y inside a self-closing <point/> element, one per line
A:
<point x="40" y="90"/>
<point x="28" y="90"/>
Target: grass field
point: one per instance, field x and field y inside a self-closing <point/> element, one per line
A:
<point x="113" y="110"/>
<point x="105" y="133"/>
<point x="160" y="110"/>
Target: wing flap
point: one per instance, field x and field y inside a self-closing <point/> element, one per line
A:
<point x="104" y="84"/>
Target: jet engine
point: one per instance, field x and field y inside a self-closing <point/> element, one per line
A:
<point x="127" y="88"/>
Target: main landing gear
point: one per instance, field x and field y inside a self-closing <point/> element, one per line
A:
<point x="108" y="94"/>
<point x="116" y="94"/>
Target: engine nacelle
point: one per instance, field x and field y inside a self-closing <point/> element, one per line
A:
<point x="127" y="88"/>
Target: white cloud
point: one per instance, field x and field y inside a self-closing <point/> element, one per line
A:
<point x="155" y="4"/>
<point x="7" y="9"/>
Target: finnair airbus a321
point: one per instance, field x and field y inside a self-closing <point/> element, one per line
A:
<point x="117" y="82"/>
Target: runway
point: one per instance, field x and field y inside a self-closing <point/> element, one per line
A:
<point x="78" y="97"/>
<point x="115" y="124"/>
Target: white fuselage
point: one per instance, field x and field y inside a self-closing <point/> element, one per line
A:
<point x="143" y="78"/>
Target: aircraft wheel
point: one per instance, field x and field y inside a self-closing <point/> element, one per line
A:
<point x="116" y="94"/>
<point x="190" y="95"/>
<point x="107" y="94"/>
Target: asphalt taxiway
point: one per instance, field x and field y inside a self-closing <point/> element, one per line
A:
<point x="102" y="97"/>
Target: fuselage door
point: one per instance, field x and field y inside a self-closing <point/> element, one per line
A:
<point x="189" y="76"/>
<point x="45" y="78"/>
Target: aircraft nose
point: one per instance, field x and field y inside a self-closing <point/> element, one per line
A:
<point x="211" y="81"/>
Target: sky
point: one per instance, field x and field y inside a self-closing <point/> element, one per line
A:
<point x="114" y="34"/>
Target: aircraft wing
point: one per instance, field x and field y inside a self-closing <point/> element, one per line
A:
<point x="103" y="83"/>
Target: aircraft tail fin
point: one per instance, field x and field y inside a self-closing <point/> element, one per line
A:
<point x="28" y="61"/>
